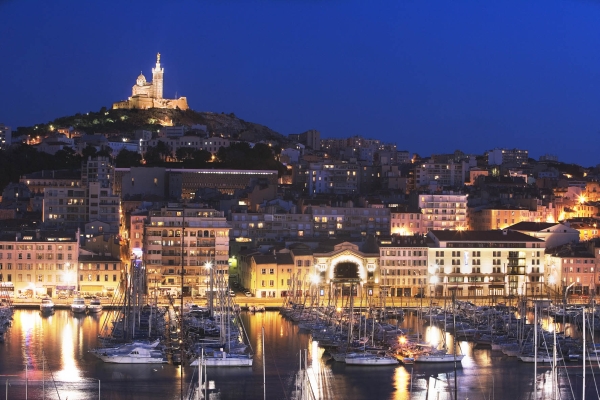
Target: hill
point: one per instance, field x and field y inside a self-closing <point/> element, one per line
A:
<point x="127" y="121"/>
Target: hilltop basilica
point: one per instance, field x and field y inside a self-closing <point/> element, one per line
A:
<point x="150" y="94"/>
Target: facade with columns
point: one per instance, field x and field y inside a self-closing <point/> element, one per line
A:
<point x="146" y="95"/>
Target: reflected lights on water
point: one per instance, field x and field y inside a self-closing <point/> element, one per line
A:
<point x="70" y="371"/>
<point x="402" y="384"/>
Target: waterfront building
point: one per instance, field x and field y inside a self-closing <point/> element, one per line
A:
<point x="205" y="236"/>
<point x="37" y="262"/>
<point x="574" y="266"/>
<point x="447" y="210"/>
<point x="485" y="263"/>
<point x="404" y="266"/>
<point x="99" y="275"/>
<point x="150" y="94"/>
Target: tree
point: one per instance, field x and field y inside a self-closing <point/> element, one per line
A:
<point x="128" y="159"/>
<point x="89" y="151"/>
<point x="163" y="149"/>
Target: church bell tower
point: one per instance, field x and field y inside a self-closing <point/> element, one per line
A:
<point x="157" y="79"/>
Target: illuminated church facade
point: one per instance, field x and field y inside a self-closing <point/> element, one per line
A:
<point x="146" y="95"/>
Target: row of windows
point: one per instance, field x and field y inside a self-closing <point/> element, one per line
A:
<point x="38" y="256"/>
<point x="57" y="278"/>
<point x="49" y="247"/>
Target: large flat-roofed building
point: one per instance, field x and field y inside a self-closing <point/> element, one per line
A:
<point x="39" y="262"/>
<point x="62" y="178"/>
<point x="205" y="236"/>
<point x="183" y="183"/>
<point x="482" y="263"/>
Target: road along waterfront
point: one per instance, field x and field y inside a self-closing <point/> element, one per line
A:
<point x="51" y="353"/>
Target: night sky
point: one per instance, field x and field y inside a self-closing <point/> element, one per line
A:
<point x="432" y="76"/>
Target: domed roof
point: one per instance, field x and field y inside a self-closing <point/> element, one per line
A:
<point x="141" y="80"/>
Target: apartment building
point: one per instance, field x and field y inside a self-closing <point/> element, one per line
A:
<point x="266" y="226"/>
<point x="38" y="181"/>
<point x="573" y="266"/>
<point x="39" y="262"/>
<point x="93" y="201"/>
<point x="333" y="178"/>
<point x="286" y="272"/>
<point x="485" y="263"/>
<point x="499" y="156"/>
<point x="404" y="270"/>
<point x="440" y="175"/>
<point x="404" y="222"/>
<point x="331" y="221"/>
<point x="189" y="236"/>
<point x="447" y="210"/>
<point x="99" y="274"/>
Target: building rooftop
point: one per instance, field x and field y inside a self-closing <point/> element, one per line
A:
<point x="483" y="236"/>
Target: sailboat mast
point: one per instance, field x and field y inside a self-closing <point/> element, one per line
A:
<point x="584" y="350"/>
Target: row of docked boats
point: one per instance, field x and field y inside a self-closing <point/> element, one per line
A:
<point x="202" y="336"/>
<point x="78" y="305"/>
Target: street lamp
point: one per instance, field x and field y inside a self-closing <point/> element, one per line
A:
<point x="315" y="279"/>
<point x="208" y="265"/>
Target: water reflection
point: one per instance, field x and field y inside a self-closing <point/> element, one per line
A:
<point x="63" y="340"/>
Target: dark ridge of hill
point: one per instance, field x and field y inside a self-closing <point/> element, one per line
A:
<point x="127" y="121"/>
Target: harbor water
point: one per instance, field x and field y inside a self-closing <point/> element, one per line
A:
<point x="46" y="357"/>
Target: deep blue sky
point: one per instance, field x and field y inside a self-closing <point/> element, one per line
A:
<point x="432" y="76"/>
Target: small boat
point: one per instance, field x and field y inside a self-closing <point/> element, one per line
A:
<point x="78" y="305"/>
<point x="370" y="359"/>
<point x="439" y="356"/>
<point x="223" y="359"/>
<point x="95" y="305"/>
<point x="47" y="305"/>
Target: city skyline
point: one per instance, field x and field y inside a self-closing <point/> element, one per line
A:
<point x="431" y="77"/>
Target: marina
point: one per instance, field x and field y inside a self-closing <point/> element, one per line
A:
<point x="55" y="351"/>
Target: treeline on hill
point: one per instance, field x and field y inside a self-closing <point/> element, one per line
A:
<point x="23" y="159"/>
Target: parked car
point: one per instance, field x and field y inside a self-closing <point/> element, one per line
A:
<point x="248" y="294"/>
<point x="22" y="296"/>
<point x="420" y="295"/>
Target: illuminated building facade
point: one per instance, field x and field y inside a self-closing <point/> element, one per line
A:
<point x="447" y="210"/>
<point x="205" y="235"/>
<point x="485" y="263"/>
<point x="99" y="275"/>
<point x="39" y="262"/>
<point x="150" y="94"/>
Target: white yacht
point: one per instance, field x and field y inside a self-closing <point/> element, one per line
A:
<point x="78" y="305"/>
<point x="95" y="305"/>
<point x="132" y="353"/>
<point x="47" y="305"/>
